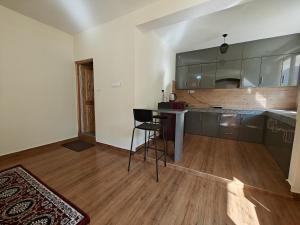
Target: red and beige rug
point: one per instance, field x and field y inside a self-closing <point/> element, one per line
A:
<point x="24" y="199"/>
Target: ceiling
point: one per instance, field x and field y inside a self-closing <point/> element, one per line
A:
<point x="73" y="16"/>
<point x="250" y="21"/>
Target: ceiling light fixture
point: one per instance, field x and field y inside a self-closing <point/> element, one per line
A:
<point x="224" y="47"/>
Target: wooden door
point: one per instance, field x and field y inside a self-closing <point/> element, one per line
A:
<point x="87" y="99"/>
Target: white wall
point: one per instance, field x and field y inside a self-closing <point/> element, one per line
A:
<point x="37" y="84"/>
<point x="111" y="46"/>
<point x="122" y="53"/>
<point x="154" y="71"/>
<point x="294" y="175"/>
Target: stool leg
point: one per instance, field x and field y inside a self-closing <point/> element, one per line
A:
<point x="149" y="135"/>
<point x="165" y="147"/>
<point x="156" y="161"/>
<point x="130" y="152"/>
<point x="145" y="153"/>
<point x="166" y="138"/>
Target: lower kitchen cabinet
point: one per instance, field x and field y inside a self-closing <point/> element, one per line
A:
<point x="277" y="136"/>
<point x="252" y="128"/>
<point x="229" y="133"/>
<point x="279" y="139"/>
<point x="229" y="126"/>
<point x="193" y="124"/>
<point x="210" y="124"/>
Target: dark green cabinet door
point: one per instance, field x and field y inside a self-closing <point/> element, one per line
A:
<point x="273" y="138"/>
<point x="229" y="69"/>
<point x="193" y="123"/>
<point x="252" y="128"/>
<point x="210" y="124"/>
<point x="284" y="154"/>
<point x="290" y="70"/>
<point x="272" y="46"/>
<point x="279" y="139"/>
<point x="182" y="77"/>
<point x="194" y="77"/>
<point x="208" y="75"/>
<point x="229" y="126"/>
<point x="197" y="57"/>
<point x="271" y="68"/>
<point x="251" y="72"/>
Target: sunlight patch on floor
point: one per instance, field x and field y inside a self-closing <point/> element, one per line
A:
<point x="239" y="209"/>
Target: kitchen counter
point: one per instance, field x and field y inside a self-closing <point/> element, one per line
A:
<point x="285" y="116"/>
<point x="233" y="111"/>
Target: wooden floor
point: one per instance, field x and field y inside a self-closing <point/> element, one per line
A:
<point x="98" y="182"/>
<point x="249" y="163"/>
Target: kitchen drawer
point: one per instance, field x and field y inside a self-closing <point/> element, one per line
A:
<point x="253" y="121"/>
<point x="230" y="120"/>
<point x="229" y="132"/>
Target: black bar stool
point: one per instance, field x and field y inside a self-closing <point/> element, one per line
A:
<point x="145" y="118"/>
<point x="163" y="121"/>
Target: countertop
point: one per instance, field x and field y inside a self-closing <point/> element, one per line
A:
<point x="285" y="116"/>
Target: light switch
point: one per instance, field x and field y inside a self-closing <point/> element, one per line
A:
<point x="116" y="84"/>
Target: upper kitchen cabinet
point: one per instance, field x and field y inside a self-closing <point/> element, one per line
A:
<point x="194" y="76"/>
<point x="197" y="57"/>
<point x="273" y="62"/>
<point x="251" y="72"/>
<point x="271" y="68"/>
<point x="228" y="74"/>
<point x="291" y="70"/>
<point x="272" y="46"/>
<point x="181" y="77"/>
<point x="208" y="75"/>
<point x="234" y="52"/>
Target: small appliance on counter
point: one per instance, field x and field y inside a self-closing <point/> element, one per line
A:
<point x="172" y="97"/>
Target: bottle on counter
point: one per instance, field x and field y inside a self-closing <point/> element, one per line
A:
<point x="163" y="96"/>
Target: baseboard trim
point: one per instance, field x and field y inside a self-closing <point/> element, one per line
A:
<point x="112" y="147"/>
<point x="32" y="150"/>
<point x="119" y="148"/>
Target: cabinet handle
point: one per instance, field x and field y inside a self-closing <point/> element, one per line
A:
<point x="284" y="137"/>
<point x="261" y="79"/>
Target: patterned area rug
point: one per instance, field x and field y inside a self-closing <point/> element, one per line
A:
<point x="24" y="199"/>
